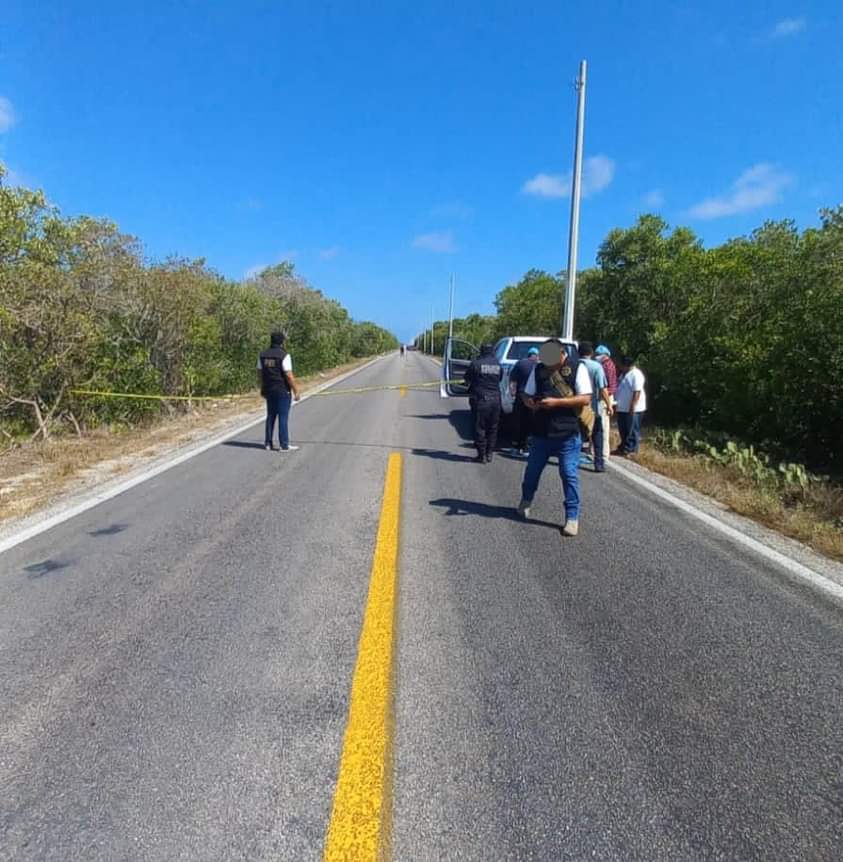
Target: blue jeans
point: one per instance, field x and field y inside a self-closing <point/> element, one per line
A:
<point x="568" y="450"/>
<point x="629" y="426"/>
<point x="278" y="406"/>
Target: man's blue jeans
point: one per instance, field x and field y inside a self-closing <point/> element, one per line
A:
<point x="568" y="450"/>
<point x="629" y="426"/>
<point x="278" y="407"/>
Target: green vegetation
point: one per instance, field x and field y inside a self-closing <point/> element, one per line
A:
<point x="745" y="338"/>
<point x="785" y="479"/>
<point x="80" y="307"/>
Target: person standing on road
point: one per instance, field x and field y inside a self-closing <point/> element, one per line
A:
<point x="604" y="356"/>
<point x="278" y="387"/>
<point x="521" y="414"/>
<point x="556" y="392"/>
<point x="483" y="378"/>
<point x="601" y="404"/>
<point x="631" y="405"/>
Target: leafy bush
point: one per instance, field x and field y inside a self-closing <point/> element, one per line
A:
<point x="745" y="338"/>
<point x="80" y="308"/>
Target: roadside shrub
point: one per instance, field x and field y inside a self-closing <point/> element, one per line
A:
<point x="80" y="308"/>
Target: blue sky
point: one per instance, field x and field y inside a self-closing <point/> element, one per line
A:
<point x="384" y="145"/>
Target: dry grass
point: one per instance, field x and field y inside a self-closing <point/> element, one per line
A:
<point x="33" y="475"/>
<point x="814" y="516"/>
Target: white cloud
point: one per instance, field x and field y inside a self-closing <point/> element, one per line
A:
<point x="254" y="271"/>
<point x="7" y="115"/>
<point x="654" y="198"/>
<point x="548" y="186"/>
<point x="441" y="242"/>
<point x="788" y="27"/>
<point x="329" y="253"/>
<point x="283" y="257"/>
<point x="597" y="173"/>
<point x="757" y="187"/>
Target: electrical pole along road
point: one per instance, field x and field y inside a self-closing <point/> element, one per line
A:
<point x="179" y="664"/>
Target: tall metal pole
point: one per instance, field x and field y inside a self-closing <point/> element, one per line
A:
<point x="574" y="233"/>
<point x="451" y="309"/>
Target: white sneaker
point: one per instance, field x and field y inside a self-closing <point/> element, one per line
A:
<point x="524" y="509"/>
<point x="290" y="448"/>
<point x="571" y="528"/>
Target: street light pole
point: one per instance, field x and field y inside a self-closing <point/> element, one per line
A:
<point x="451" y="309"/>
<point x="574" y="231"/>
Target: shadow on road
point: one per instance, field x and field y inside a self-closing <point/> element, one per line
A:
<point x="485" y="510"/>
<point x="442" y="455"/>
<point x="460" y="421"/>
<point x="299" y="442"/>
<point x="38" y="570"/>
<point x="111" y="530"/>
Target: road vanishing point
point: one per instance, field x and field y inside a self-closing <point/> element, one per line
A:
<point x="358" y="651"/>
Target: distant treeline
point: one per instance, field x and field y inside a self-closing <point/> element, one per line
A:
<point x="80" y="307"/>
<point x="745" y="338"/>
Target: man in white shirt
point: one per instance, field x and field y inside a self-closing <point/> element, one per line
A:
<point x="278" y="387"/>
<point x="557" y="389"/>
<point x="631" y="403"/>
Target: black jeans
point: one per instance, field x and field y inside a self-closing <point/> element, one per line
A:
<point x="487" y="416"/>
<point x="522" y="418"/>
<point x="597" y="442"/>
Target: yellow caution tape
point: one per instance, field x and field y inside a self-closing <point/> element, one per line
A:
<point x="380" y="388"/>
<point x="97" y="393"/>
<point x="404" y="386"/>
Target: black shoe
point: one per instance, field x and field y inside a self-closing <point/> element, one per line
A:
<point x="489" y="458"/>
<point x="479" y="459"/>
<point x="599" y="469"/>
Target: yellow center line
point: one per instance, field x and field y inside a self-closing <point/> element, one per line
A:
<point x="361" y="817"/>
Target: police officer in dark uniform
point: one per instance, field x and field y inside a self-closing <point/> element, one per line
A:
<point x="278" y="387"/>
<point x="483" y="379"/>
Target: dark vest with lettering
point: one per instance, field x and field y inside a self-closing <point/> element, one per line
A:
<point x="562" y="421"/>
<point x="274" y="381"/>
<point x="486" y="379"/>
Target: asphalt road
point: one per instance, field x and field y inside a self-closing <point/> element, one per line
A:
<point x="175" y="663"/>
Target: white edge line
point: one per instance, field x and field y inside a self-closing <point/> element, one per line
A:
<point x="792" y="566"/>
<point x="94" y="500"/>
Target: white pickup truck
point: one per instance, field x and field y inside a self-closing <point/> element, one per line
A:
<point x="508" y="351"/>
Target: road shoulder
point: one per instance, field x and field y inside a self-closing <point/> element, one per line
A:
<point x="95" y="487"/>
<point x="787" y="553"/>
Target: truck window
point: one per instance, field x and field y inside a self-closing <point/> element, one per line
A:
<point x="518" y="349"/>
